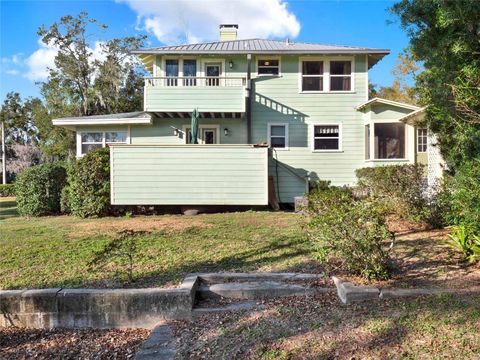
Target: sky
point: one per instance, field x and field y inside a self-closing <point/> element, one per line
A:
<point x="24" y="60"/>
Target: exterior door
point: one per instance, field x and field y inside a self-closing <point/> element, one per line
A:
<point x="205" y="135"/>
<point x="212" y="72"/>
<point x="209" y="136"/>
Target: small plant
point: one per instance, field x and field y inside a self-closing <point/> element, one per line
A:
<point x="122" y="248"/>
<point x="465" y="241"/>
<point x="7" y="190"/>
<point x="348" y="233"/>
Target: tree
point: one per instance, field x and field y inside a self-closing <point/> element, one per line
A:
<point x="445" y="36"/>
<point x="87" y="85"/>
<point x="405" y="72"/>
<point x="19" y="125"/>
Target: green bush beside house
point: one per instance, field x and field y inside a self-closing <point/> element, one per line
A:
<point x="38" y="189"/>
<point x="87" y="193"/>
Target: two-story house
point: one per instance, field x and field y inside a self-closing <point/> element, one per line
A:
<point x="289" y="111"/>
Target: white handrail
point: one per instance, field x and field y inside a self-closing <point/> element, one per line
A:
<point x="200" y="81"/>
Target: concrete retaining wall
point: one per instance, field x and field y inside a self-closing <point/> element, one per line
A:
<point x="98" y="308"/>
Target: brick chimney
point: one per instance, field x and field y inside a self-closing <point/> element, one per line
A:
<point x="228" y="32"/>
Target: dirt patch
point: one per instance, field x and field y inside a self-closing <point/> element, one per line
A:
<point x="19" y="343"/>
<point x="318" y="327"/>
<point x="168" y="224"/>
<point x="423" y="258"/>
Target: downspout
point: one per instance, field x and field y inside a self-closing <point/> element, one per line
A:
<point x="248" y="101"/>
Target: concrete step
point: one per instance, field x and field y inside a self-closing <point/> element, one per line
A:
<point x="222" y="277"/>
<point x="256" y="290"/>
<point x="240" y="305"/>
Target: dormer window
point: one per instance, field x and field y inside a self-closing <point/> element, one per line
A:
<point x="268" y="67"/>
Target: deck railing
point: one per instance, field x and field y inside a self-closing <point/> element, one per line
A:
<point x="195" y="81"/>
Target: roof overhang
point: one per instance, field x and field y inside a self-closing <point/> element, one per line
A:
<point x="147" y="56"/>
<point x="376" y="101"/>
<point x="113" y="119"/>
<point x="414" y="117"/>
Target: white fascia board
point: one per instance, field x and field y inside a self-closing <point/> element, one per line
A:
<point x="110" y="121"/>
<point x="387" y="102"/>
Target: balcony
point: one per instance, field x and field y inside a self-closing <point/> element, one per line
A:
<point x="178" y="96"/>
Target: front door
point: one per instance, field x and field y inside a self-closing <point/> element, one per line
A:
<point x="209" y="136"/>
<point x="212" y="72"/>
<point x="205" y="135"/>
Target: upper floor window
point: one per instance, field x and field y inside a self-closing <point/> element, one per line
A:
<point x="268" y="67"/>
<point x="389" y="141"/>
<point x="171" y="70"/>
<point x="326" y="137"/>
<point x="340" y="75"/>
<point x="312" y="75"/>
<point x="278" y="136"/>
<point x="95" y="140"/>
<point x="422" y="139"/>
<point x="190" y="72"/>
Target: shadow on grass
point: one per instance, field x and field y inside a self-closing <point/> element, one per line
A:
<point x="8" y="208"/>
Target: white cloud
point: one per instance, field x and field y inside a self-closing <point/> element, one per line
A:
<point x="190" y="21"/>
<point x="35" y="67"/>
<point x="39" y="62"/>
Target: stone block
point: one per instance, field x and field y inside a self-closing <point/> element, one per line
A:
<point x="348" y="292"/>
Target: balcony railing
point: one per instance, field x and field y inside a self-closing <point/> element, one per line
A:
<point x="195" y="81"/>
<point x="184" y="93"/>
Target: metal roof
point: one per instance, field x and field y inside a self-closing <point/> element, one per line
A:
<point x="260" y="46"/>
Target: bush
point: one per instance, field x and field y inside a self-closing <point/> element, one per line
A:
<point x="465" y="241"/>
<point x="88" y="185"/>
<point x="7" y="190"/>
<point x="348" y="233"/>
<point x="400" y="188"/>
<point x="38" y="189"/>
<point x="465" y="196"/>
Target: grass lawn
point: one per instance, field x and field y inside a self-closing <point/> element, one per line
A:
<point x="438" y="327"/>
<point x="55" y="251"/>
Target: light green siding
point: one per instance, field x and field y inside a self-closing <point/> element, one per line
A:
<point x="189" y="175"/>
<point x="186" y="98"/>
<point x="162" y="131"/>
<point x="280" y="100"/>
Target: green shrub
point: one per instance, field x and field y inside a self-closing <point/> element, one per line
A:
<point x="88" y="185"/>
<point x="400" y="188"/>
<point x="348" y="233"/>
<point x="38" y="189"/>
<point x="465" y="196"/>
<point x="464" y="240"/>
<point x="7" y="190"/>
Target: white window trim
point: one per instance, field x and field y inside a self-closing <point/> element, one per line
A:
<point x="326" y="74"/>
<point x="104" y="143"/>
<point x="200" y="127"/>
<point x="269" y="133"/>
<point x="372" y="141"/>
<point x="340" y="137"/>
<point x="180" y="66"/>
<point x="426" y="140"/>
<point x="258" y="58"/>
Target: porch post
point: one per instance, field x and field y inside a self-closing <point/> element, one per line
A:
<point x="248" y="101"/>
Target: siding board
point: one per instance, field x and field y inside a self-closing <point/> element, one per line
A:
<point x="241" y="178"/>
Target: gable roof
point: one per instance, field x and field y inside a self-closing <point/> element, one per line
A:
<point x="375" y="101"/>
<point x="262" y="46"/>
